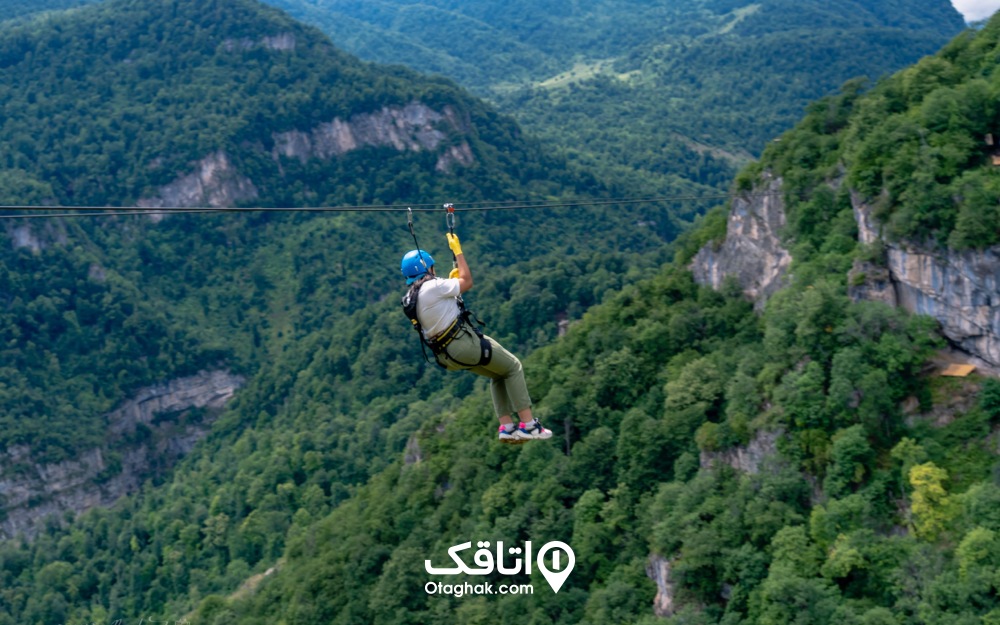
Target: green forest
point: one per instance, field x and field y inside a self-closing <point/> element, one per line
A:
<point x="347" y="461"/>
<point x="118" y="99"/>
<point x="647" y="92"/>
<point x="654" y="95"/>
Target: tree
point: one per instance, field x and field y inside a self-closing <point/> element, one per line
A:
<point x="850" y="457"/>
<point x="932" y="506"/>
<point x="989" y="398"/>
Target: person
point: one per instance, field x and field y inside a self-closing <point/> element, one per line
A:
<point x="458" y="345"/>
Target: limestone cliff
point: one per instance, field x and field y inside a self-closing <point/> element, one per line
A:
<point x="759" y="453"/>
<point x="145" y="435"/>
<point x="37" y="236"/>
<point x="961" y="289"/>
<point x="281" y="42"/>
<point x="752" y="251"/>
<point x="415" y="127"/>
<point x="658" y="570"/>
<point x="215" y="183"/>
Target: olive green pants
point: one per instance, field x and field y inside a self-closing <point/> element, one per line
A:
<point x="507" y="386"/>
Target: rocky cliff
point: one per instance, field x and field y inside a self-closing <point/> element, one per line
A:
<point x="658" y="570"/>
<point x="752" y="251"/>
<point x="751" y="458"/>
<point x="145" y="435"/>
<point x="415" y="127"/>
<point x="36" y="237"/>
<point x="215" y="183"/>
<point x="961" y="289"/>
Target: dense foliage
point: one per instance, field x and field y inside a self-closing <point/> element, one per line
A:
<point x="484" y="43"/>
<point x="75" y="340"/>
<point x="702" y="103"/>
<point x="701" y="86"/>
<point x="308" y="472"/>
<point x="657" y="94"/>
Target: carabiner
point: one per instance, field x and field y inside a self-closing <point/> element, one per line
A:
<point x="449" y="218"/>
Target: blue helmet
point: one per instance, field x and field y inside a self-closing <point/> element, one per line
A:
<point x="415" y="264"/>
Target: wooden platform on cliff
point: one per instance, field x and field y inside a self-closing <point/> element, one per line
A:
<point x="951" y="362"/>
<point x="957" y="371"/>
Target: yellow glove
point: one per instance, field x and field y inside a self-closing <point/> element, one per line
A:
<point x="454" y="273"/>
<point x="454" y="244"/>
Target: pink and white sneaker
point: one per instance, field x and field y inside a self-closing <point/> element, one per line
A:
<point x="511" y="437"/>
<point x="532" y="431"/>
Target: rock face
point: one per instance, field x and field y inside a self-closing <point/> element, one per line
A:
<point x="216" y="183"/>
<point x="35" y="236"/>
<point x="749" y="458"/>
<point x="144" y="437"/>
<point x="414" y="127"/>
<point x="456" y="155"/>
<point x="961" y="289"/>
<point x="281" y="42"/>
<point x="658" y="570"/>
<point x="752" y="252"/>
<point x="207" y="390"/>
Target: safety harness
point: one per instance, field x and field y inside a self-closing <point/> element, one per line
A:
<point x="439" y="344"/>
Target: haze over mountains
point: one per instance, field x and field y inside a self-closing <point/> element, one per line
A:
<point x="974" y="10"/>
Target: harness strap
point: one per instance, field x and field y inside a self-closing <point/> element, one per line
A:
<point x="485" y="350"/>
<point x="439" y="344"/>
<point x="441" y="341"/>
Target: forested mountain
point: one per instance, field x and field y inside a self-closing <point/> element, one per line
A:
<point x="654" y="94"/>
<point x="187" y="103"/>
<point x="645" y="91"/>
<point x="804" y="466"/>
<point x="484" y="44"/>
<point x="710" y="464"/>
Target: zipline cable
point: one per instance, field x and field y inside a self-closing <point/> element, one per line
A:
<point x="108" y="211"/>
<point x="121" y="212"/>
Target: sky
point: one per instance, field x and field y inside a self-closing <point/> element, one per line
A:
<point x="976" y="9"/>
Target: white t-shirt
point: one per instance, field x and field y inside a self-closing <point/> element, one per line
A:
<point x="437" y="305"/>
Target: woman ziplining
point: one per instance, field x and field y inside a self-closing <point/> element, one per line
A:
<point x="437" y="311"/>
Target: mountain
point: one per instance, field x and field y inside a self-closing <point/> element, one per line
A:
<point x="913" y="164"/>
<point x="128" y="341"/>
<point x="230" y="103"/>
<point x="717" y="459"/>
<point x="807" y="465"/>
<point x="645" y="91"/>
<point x="656" y="94"/>
<point x="485" y="44"/>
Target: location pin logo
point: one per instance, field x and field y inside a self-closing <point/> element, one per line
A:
<point x="562" y="563"/>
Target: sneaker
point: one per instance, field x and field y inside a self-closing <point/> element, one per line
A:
<point x="510" y="438"/>
<point x="532" y="431"/>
